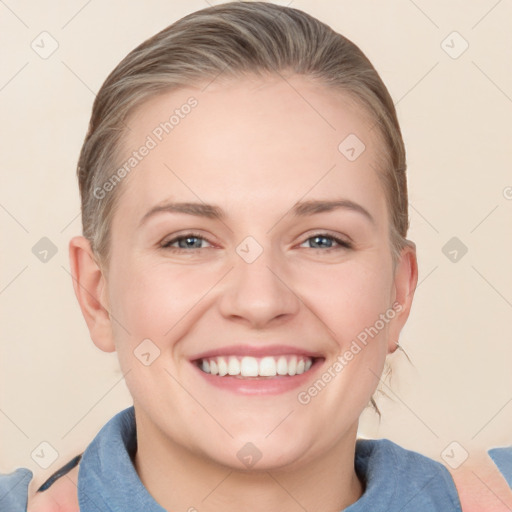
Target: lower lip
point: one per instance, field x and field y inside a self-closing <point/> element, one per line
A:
<point x="262" y="385"/>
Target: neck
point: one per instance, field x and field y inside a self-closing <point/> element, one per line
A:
<point x="179" y="479"/>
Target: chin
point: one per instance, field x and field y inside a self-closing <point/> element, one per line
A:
<point x="260" y="456"/>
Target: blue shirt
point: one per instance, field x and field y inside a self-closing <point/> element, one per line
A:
<point x="395" y="479"/>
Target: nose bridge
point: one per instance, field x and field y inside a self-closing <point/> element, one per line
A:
<point x="257" y="292"/>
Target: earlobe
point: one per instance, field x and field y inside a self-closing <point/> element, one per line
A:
<point x="405" y="282"/>
<point x="90" y="289"/>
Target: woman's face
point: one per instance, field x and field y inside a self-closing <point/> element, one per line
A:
<point x="227" y="247"/>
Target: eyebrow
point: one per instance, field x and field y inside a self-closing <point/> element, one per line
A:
<point x="198" y="209"/>
<point x="319" y="206"/>
<point x="300" y="209"/>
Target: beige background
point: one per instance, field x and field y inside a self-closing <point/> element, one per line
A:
<point x="57" y="387"/>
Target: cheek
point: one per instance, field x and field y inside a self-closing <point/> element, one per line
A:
<point x="150" y="301"/>
<point x="348" y="298"/>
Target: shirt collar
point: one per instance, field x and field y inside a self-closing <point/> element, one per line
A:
<point x="107" y="480"/>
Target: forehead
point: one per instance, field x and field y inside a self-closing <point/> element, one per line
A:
<point x="253" y="141"/>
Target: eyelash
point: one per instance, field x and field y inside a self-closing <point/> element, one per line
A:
<point x="343" y="244"/>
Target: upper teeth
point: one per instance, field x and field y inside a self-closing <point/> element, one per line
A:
<point x="256" y="367"/>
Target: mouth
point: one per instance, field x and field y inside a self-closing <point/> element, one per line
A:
<point x="249" y="367"/>
<point x="257" y="370"/>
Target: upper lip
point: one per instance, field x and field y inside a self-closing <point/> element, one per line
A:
<point x="256" y="351"/>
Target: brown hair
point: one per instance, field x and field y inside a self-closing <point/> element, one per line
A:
<point x="233" y="39"/>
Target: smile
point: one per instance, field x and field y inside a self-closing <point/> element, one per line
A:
<point x="247" y="366"/>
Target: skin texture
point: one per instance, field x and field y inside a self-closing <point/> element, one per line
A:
<point x="481" y="486"/>
<point x="253" y="147"/>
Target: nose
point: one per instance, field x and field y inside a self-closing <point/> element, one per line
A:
<point x="260" y="292"/>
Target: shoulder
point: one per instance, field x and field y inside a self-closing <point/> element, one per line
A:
<point x="59" y="493"/>
<point x="14" y="489"/>
<point x="410" y="480"/>
<point x="480" y="484"/>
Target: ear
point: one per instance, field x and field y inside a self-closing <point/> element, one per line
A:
<point x="405" y="281"/>
<point x="90" y="287"/>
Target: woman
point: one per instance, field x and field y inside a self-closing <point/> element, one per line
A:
<point x="244" y="209"/>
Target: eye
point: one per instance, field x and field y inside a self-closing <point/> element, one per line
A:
<point x="326" y="241"/>
<point x="193" y="241"/>
<point x="187" y="241"/>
